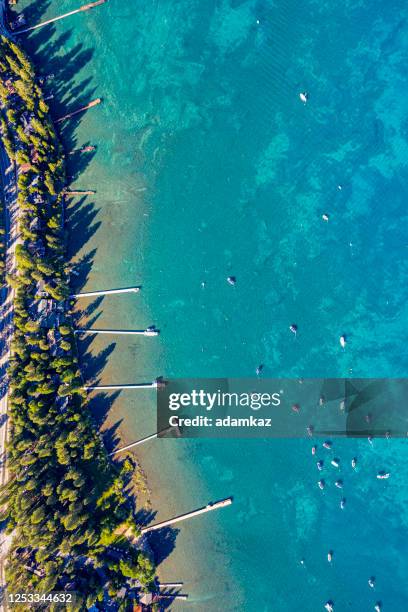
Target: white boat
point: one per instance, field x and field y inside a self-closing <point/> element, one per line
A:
<point x="354" y="463"/>
<point x="321" y="484"/>
<point x="343" y="341"/>
<point x="335" y="463"/>
<point x="304" y="96"/>
<point x="383" y="475"/>
<point x="342" y="503"/>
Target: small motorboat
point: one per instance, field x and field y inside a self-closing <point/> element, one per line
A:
<point x="383" y="475"/>
<point x="321" y="484"/>
<point x="330" y="556"/>
<point x="329" y="606"/>
<point x="231" y="280"/>
<point x="296" y="408"/>
<point x="342" y="503"/>
<point x="354" y="463"/>
<point x="310" y="430"/>
<point x="314" y="448"/>
<point x="327" y="444"/>
<point x="319" y="465"/>
<point x="259" y="369"/>
<point x="325" y="217"/>
<point x="335" y="463"/>
<point x="304" y="96"/>
<point x="377" y="607"/>
<point x="371" y="582"/>
<point x="343" y="341"/>
<point x="339" y="484"/>
<point x="293" y="328"/>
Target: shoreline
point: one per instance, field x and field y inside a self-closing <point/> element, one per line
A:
<point x="37" y="268"/>
<point x="168" y="501"/>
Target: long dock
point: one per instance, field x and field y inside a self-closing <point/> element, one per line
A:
<point x="84" y="7"/>
<point x="79" y="110"/>
<point x="70" y="194"/>
<point x="152" y="385"/>
<point x="123" y="332"/>
<point x="87" y="149"/>
<point x="223" y="503"/>
<point x="128" y="446"/>
<point x="141" y="441"/>
<point x="105" y="292"/>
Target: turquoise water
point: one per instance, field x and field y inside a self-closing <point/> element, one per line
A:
<point x="208" y="165"/>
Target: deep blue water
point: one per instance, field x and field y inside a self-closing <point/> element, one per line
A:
<point x="209" y="165"/>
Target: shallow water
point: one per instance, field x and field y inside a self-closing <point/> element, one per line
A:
<point x="208" y="165"/>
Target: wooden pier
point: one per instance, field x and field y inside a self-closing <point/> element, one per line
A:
<point x="137" y="443"/>
<point x="223" y="503"/>
<point x="79" y="110"/>
<point x="81" y="9"/>
<point x="153" y="385"/>
<point x="87" y="149"/>
<point x="105" y="292"/>
<point x="70" y="194"/>
<point x="123" y="332"/>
